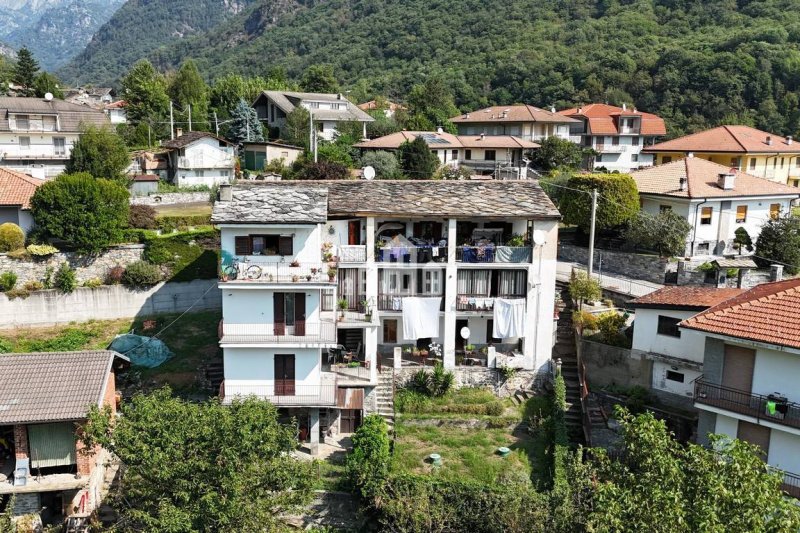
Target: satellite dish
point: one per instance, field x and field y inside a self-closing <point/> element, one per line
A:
<point x="369" y="173"/>
<point x="48" y="97"/>
<point x="539" y="237"/>
<point x="465" y="333"/>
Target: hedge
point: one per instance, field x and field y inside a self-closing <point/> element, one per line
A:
<point x="189" y="255"/>
<point x="168" y="224"/>
<point x="560" y="435"/>
<point x="368" y="462"/>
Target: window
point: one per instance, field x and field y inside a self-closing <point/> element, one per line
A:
<point x="335" y="106"/>
<point x="705" y="215"/>
<point x="668" y="325"/>
<point x="614" y="141"/>
<point x="432" y="282"/>
<point x="389" y="331"/>
<point x="223" y="173"/>
<point x="314" y="105"/>
<point x="23" y="122"/>
<point x="489" y="155"/>
<point x="60" y="145"/>
<point x="200" y="173"/>
<point x="25" y="143"/>
<point x="775" y="163"/>
<point x="666" y="159"/>
<point x="599" y="158"/>
<point x="736" y="161"/>
<point x="782" y="161"/>
<point x="468" y="154"/>
<point x="752" y="163"/>
<point x="675" y="376"/>
<point x="284" y="155"/>
<point x="797" y="162"/>
<point x="634" y="158"/>
<point x="702" y="248"/>
<point x="320" y="127"/>
<point x="454" y="155"/>
<point x="664" y="208"/>
<point x="263" y="245"/>
<point x="49" y="124"/>
<point x="741" y="214"/>
<point x="774" y="210"/>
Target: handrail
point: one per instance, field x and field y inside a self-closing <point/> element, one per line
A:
<point x="748" y="403"/>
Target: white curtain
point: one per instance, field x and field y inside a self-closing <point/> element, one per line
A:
<point x="475" y="282"/>
<point x="513" y="283"/>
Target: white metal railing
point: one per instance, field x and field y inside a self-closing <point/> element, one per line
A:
<point x="577" y="139"/>
<point x="272" y="272"/>
<point x="202" y="162"/>
<point x="493" y="254"/>
<point x="350" y="253"/>
<point x="299" y="333"/>
<point x="283" y="393"/>
<point x="612" y="148"/>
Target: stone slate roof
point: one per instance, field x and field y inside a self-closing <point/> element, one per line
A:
<point x="189" y="137"/>
<point x="288" y="100"/>
<point x="273" y="205"/>
<point x="71" y="117"/>
<point x="51" y="387"/>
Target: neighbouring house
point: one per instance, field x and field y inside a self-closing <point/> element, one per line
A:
<point x="37" y="135"/>
<point x="144" y="184"/>
<point x="44" y="397"/>
<point x="756" y="152"/>
<point x="715" y="199"/>
<point x="748" y="390"/>
<point x="483" y="154"/>
<point x="199" y="158"/>
<point x="155" y="161"/>
<point x="116" y="112"/>
<point x="389" y="108"/>
<point x="258" y="154"/>
<point x="675" y="355"/>
<point x="325" y="283"/>
<point x="617" y="134"/>
<point x="527" y="122"/>
<point x="16" y="190"/>
<point x="94" y="97"/>
<point x="327" y="110"/>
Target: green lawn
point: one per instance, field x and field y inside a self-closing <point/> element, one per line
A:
<point x="183" y="210"/>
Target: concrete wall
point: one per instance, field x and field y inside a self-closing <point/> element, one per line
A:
<point x="85" y="267"/>
<point x="44" y="308"/>
<point x="637" y="266"/>
<point x="170" y="198"/>
<point x="306" y="242"/>
<point x="647" y="339"/>
<point x="607" y="365"/>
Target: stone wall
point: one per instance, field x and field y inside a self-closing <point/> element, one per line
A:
<point x="26" y="504"/>
<point x="171" y="198"/>
<point x="612" y="365"/>
<point x="50" y="307"/>
<point x="86" y="267"/>
<point x="484" y="377"/>
<point x="636" y="266"/>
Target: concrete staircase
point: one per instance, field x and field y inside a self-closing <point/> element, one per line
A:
<point x="215" y="373"/>
<point x="385" y="396"/>
<point x="565" y="350"/>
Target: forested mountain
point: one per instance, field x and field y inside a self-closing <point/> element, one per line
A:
<point x="54" y="30"/>
<point x="696" y="62"/>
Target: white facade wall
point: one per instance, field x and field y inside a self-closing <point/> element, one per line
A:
<point x="625" y="156"/>
<point x="255" y="367"/>
<point x="646" y="338"/>
<point x="777" y="371"/>
<point x="529" y="131"/>
<point x="306" y="242"/>
<point x="255" y="306"/>
<point x="204" y="162"/>
<point x="783" y="446"/>
<point x="663" y="382"/>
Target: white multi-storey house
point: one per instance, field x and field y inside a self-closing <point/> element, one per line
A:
<point x="327" y="282"/>
<point x="37" y="134"/>
<point x="527" y="122"/>
<point x="199" y="158"/>
<point x="617" y="134"/>
<point x="326" y="110"/>
<point x="748" y="389"/>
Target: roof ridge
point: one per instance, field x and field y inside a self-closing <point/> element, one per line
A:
<point x="688" y="181"/>
<point x="734" y="137"/>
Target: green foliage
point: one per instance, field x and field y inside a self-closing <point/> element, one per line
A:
<point x="8" y="280"/>
<point x="141" y="274"/>
<point x="47" y="83"/>
<point x="368" y="462"/>
<point x="434" y="384"/>
<point x="33" y="285"/>
<point x="187" y="88"/>
<point x="449" y="172"/>
<point x="189" y="255"/>
<point x="382" y="125"/>
<point x="585" y="320"/>
<point x="742" y="240"/>
<point x="142" y="217"/>
<point x="385" y="164"/>
<point x="41" y="250"/>
<point x="245" y="125"/>
<point x="145" y="92"/>
<point x="560" y="436"/>
<point x="5" y="347"/>
<point x="181" y="223"/>
<point x="295" y="130"/>
<point x="323" y="170"/>
<point x="430" y="106"/>
<point x="87" y="213"/>
<point x="557" y="153"/>
<point x="25" y="71"/>
<point x="6" y="515"/>
<point x="228" y="90"/>
<point x="65" y="279"/>
<point x="335" y="152"/>
<point x="664" y="233"/>
<point x="69" y="340"/>
<point x="92" y="283"/>
<point x="609" y="325"/>
<point x="193" y="466"/>
<point x="11" y="237"/>
<point x="617" y="204"/>
<point x="319" y="79"/>
<point x="101" y="153"/>
<point x="416" y="159"/>
<point x="706" y="267"/>
<point x="779" y="241"/>
<point x="581" y="287"/>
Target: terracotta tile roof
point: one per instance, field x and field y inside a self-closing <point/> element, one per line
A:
<point x="189" y="137"/>
<point x="603" y="119"/>
<point x="688" y="297"/>
<point x="145" y="177"/>
<point x="372" y="104"/>
<point x="515" y="113"/>
<point x="702" y="178"/>
<point x="446" y="140"/>
<point x="119" y="104"/>
<point x="16" y="188"/>
<point x="49" y="387"/>
<point x="732" y="139"/>
<point x="766" y="313"/>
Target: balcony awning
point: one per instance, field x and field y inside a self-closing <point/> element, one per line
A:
<point x="350" y="398"/>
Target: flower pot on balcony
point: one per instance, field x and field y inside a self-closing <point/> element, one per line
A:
<point x="294" y="264"/>
<point x="295" y="279"/>
<point x="368" y="317"/>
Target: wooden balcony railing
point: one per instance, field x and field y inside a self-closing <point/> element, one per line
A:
<point x="761" y="407"/>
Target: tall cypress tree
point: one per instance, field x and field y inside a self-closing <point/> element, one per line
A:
<point x="26" y="70"/>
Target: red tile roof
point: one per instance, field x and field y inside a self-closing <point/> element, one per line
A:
<point x="728" y="139"/>
<point x="604" y="119"/>
<point x="766" y="313"/>
<point x="686" y="297"/>
<point x="446" y="140"/>
<point x="16" y="188"/>
<point x="145" y="177"/>
<point x="511" y="113"/>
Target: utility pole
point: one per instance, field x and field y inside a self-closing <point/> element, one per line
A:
<point x="591" y="232"/>
<point x="247" y="122"/>
<point x="171" y="123"/>
<point x="216" y="123"/>
<point x="310" y="131"/>
<point x="190" y="117"/>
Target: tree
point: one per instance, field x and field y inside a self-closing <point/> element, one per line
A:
<point x="295" y="129"/>
<point x="245" y="125"/>
<point x="779" y="242"/>
<point x="193" y="467"/>
<point x="187" y="88"/>
<point x="617" y="204"/>
<point x="557" y="153"/>
<point x="417" y="160"/>
<point x="323" y="170"/>
<point x="99" y="152"/>
<point x="385" y="164"/>
<point x="382" y="125"/>
<point x="742" y="239"/>
<point x="47" y="83"/>
<point x="664" y="233"/>
<point x="368" y="463"/>
<point x="145" y="92"/>
<point x="661" y="485"/>
<point x="86" y="212"/>
<point x="227" y="90"/>
<point x="319" y="79"/>
<point x="431" y="105"/>
<point x="26" y="70"/>
<point x="583" y="288"/>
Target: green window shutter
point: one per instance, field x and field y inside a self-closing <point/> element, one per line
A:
<point x="52" y="444"/>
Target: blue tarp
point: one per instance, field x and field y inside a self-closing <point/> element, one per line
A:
<point x="142" y="351"/>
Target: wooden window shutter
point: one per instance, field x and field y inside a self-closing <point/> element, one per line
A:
<point x="285" y="245"/>
<point x="279" y="311"/>
<point x="300" y="314"/>
<point x="243" y="245"/>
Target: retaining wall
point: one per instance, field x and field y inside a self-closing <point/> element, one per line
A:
<point x="86" y="267"/>
<point x="636" y="266"/>
<point x="612" y="365"/>
<point x="484" y="377"/>
<point x="170" y="198"/>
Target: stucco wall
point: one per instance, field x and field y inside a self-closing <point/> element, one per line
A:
<point x="171" y="198"/>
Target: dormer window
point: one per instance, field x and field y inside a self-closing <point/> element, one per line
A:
<point x="23" y="122"/>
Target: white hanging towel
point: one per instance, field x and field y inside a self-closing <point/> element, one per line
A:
<point x="421" y="317"/>
<point x="509" y="318"/>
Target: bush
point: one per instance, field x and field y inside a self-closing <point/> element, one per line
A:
<point x="494" y="408"/>
<point x="142" y="217"/>
<point x="17" y="293"/>
<point x="33" y="286"/>
<point x="433" y="384"/>
<point x="368" y="463"/>
<point x="385" y="164"/>
<point x="560" y="435"/>
<point x="6" y="346"/>
<point x="618" y="203"/>
<point x="93" y="283"/>
<point x="114" y="275"/>
<point x="609" y="325"/>
<point x="41" y="250"/>
<point x="585" y="320"/>
<point x="449" y="172"/>
<point x="141" y="274"/>
<point x="181" y="223"/>
<point x="7" y="281"/>
<point x="582" y="288"/>
<point x="190" y="255"/>
<point x="65" y="279"/>
<point x="638" y="397"/>
<point x="323" y="170"/>
<point x="664" y="233"/>
<point x="11" y="237"/>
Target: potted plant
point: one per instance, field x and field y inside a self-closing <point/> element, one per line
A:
<point x="367" y="310"/>
<point x="516" y="240"/>
<point x="308" y="277"/>
<point x="295" y="278"/>
<point x="469" y="349"/>
<point x="341" y="303"/>
<point x="331" y="274"/>
<point x="294" y="263"/>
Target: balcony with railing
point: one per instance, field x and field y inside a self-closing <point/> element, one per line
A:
<point x="205" y="162"/>
<point x="301" y="333"/>
<point x="411" y="254"/>
<point x="394" y="302"/>
<point x="612" y="148"/>
<point x="353" y="253"/>
<point x="271" y="272"/>
<point x="493" y="254"/>
<point x="791" y="484"/>
<point x="283" y="394"/>
<point x="480" y="303"/>
<point x="771" y="408"/>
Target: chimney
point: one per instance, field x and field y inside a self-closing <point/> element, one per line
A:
<point x="726" y="180"/>
<point x="225" y="192"/>
<point x="684" y="184"/>
<point x="769" y="140"/>
<point x="635" y="110"/>
<point x="340" y="96"/>
<point x="775" y="272"/>
<point x="178" y="132"/>
<point x="483" y="136"/>
<point x="439" y="130"/>
<point x="690" y="154"/>
<point x="466" y="115"/>
<point x="789" y="139"/>
<point x="624" y="106"/>
<point x="580" y="110"/>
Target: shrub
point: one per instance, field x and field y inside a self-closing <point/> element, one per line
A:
<point x="114" y="275"/>
<point x="585" y="320"/>
<point x="141" y="274"/>
<point x="11" y="237"/>
<point x="17" y="293"/>
<point x="181" y="223"/>
<point x="93" y="283"/>
<point x="664" y="233"/>
<point x="20" y="254"/>
<point x="368" y="463"/>
<point x="560" y="435"/>
<point x="41" y="250"/>
<point x="609" y="325"/>
<point x="190" y="255"/>
<point x="65" y="279"/>
<point x="441" y="381"/>
<point x="6" y="346"/>
<point x="33" y="286"/>
<point x="409" y="401"/>
<point x="581" y="287"/>
<point x="323" y="170"/>
<point x="495" y="408"/>
<point x="638" y="397"/>
<point x="142" y="217"/>
<point x="384" y="163"/>
<point x="7" y="281"/>
<point x="48" y="278"/>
